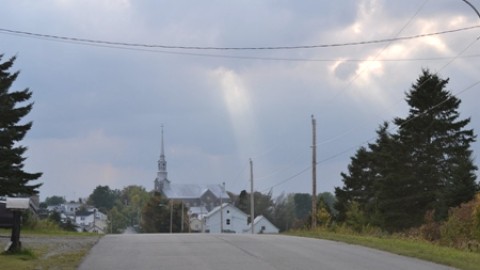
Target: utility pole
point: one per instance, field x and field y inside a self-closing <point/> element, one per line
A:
<point x="171" y="215"/>
<point x="314" y="174"/>
<point x="221" y="207"/>
<point x="252" y="208"/>
<point x="182" y="221"/>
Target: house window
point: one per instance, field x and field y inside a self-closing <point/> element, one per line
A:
<point x="228" y="221"/>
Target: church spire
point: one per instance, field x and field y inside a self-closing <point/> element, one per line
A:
<point x="161" y="179"/>
<point x="162" y="151"/>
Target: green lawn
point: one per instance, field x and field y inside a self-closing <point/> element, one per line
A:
<point x="407" y="247"/>
<point x="47" y="249"/>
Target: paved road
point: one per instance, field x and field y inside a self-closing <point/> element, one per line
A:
<point x="238" y="252"/>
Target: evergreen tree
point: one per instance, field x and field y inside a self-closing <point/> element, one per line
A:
<point x="13" y="180"/>
<point x="357" y="183"/>
<point x="425" y="166"/>
<point x="439" y="146"/>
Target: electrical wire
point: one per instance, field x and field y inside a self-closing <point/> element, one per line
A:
<point x="143" y="45"/>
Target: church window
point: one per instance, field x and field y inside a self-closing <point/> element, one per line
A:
<point x="228" y="221"/>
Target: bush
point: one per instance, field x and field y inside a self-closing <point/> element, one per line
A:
<point x="462" y="228"/>
<point x="355" y="218"/>
<point x="430" y="230"/>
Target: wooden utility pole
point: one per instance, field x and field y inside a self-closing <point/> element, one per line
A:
<point x="314" y="174"/>
<point x="221" y="207"/>
<point x="252" y="211"/>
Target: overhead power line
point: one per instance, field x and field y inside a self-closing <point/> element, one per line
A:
<point x="141" y="45"/>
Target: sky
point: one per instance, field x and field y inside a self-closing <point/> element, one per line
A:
<point x="99" y="108"/>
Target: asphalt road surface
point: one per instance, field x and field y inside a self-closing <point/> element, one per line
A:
<point x="238" y="252"/>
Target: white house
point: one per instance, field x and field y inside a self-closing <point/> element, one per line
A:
<point x="91" y="221"/>
<point x="234" y="220"/>
<point x="262" y="225"/>
<point x="69" y="209"/>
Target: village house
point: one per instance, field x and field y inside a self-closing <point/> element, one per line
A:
<point x="91" y="220"/>
<point x="229" y="219"/>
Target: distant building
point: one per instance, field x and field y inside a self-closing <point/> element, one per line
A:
<point x="192" y="195"/>
<point x="234" y="220"/>
<point x="91" y="220"/>
<point x="84" y="218"/>
<point x="262" y="225"/>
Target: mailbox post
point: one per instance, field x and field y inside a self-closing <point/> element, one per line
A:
<point x="16" y="205"/>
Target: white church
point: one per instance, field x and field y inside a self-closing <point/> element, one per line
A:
<point x="194" y="196"/>
<point x="210" y="209"/>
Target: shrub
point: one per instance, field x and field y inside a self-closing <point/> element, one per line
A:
<point x="430" y="230"/>
<point x="461" y="229"/>
<point x="355" y="218"/>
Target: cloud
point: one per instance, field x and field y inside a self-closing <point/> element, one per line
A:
<point x="77" y="165"/>
<point x="98" y="110"/>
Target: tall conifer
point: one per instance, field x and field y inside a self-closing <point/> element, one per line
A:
<point x="439" y="145"/>
<point x="427" y="165"/>
<point x="13" y="179"/>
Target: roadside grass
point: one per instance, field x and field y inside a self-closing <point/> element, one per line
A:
<point x="402" y="246"/>
<point x="44" y="253"/>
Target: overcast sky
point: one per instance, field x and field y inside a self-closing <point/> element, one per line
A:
<point x="99" y="109"/>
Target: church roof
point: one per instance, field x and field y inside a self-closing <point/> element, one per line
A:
<point x="192" y="191"/>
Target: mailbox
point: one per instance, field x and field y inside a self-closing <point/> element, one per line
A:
<point x="17" y="203"/>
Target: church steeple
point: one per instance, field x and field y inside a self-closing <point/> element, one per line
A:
<point x="161" y="179"/>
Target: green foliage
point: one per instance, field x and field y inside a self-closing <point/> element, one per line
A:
<point x="324" y="217"/>
<point x="398" y="245"/>
<point x="329" y="200"/>
<point x="41" y="226"/>
<point x="461" y="229"/>
<point x="103" y="198"/>
<point x="23" y="254"/>
<point x="355" y="217"/>
<point x="303" y="205"/>
<point x="54" y="200"/>
<point x="156" y="215"/>
<point x="263" y="203"/>
<point x="118" y="221"/>
<point x="13" y="179"/>
<point x="283" y="215"/>
<point x="55" y="217"/>
<point x="425" y="166"/>
<point x="131" y="202"/>
<point x="69" y="226"/>
<point x="430" y="230"/>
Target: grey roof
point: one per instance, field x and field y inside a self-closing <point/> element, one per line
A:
<point x="198" y="210"/>
<point x="217" y="208"/>
<point x="192" y="191"/>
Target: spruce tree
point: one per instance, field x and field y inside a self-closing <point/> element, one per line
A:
<point x="439" y="145"/>
<point x="425" y="166"/>
<point x="14" y="181"/>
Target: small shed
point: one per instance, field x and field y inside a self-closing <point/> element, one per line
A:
<point x="263" y="225"/>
